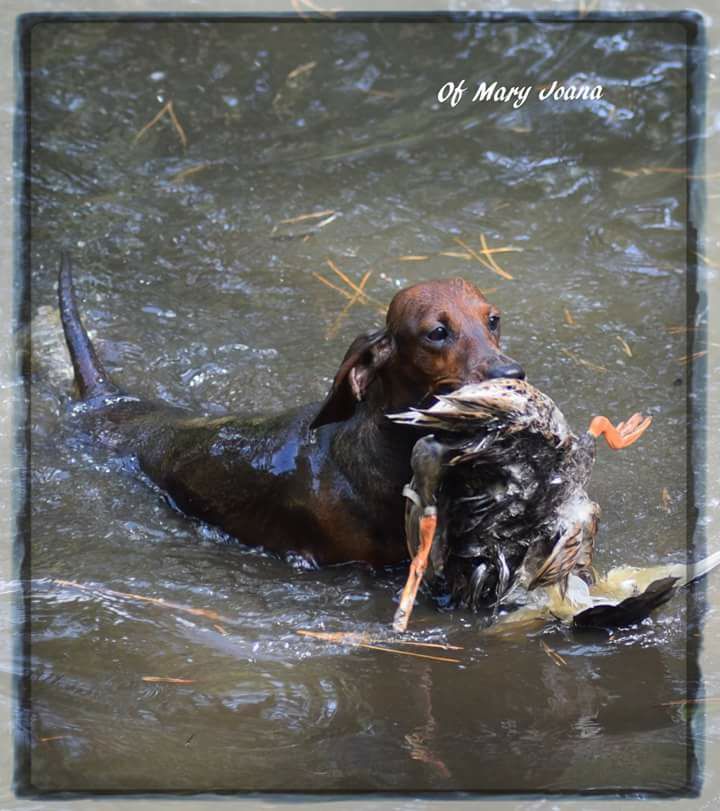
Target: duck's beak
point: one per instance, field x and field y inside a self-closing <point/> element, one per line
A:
<point x="428" y="525"/>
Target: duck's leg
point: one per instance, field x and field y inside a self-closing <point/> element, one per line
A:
<point x="428" y="525"/>
<point x="621" y="435"/>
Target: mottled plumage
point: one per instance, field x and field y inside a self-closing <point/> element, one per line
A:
<point x="508" y="478"/>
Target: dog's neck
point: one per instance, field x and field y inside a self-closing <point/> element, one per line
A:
<point x="373" y="450"/>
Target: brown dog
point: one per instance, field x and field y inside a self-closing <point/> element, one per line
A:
<point x="324" y="480"/>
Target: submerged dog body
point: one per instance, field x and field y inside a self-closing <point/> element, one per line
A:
<point x="324" y="480"/>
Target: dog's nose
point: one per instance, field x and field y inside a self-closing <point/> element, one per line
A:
<point x="514" y="370"/>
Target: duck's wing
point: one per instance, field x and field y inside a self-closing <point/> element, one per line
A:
<point x="571" y="552"/>
<point x="629" y="611"/>
<point x="504" y="405"/>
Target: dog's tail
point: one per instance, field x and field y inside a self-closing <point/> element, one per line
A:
<point x="92" y="380"/>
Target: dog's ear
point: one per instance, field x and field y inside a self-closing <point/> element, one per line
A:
<point x="366" y="355"/>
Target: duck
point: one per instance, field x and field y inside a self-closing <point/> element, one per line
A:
<point x="497" y="505"/>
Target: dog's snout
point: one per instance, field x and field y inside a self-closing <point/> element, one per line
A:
<point x="514" y="370"/>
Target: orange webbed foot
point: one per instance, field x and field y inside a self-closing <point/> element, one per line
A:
<point x="418" y="565"/>
<point x="621" y="435"/>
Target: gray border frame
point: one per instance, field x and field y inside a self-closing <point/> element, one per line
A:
<point x="707" y="294"/>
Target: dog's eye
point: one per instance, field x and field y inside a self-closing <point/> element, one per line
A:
<point x="438" y="334"/>
<point x="493" y="323"/>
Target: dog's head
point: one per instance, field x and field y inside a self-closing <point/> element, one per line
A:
<point x="438" y="336"/>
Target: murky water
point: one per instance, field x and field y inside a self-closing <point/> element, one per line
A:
<point x="198" y="293"/>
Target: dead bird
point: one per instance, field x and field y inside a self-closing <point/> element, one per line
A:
<point x="497" y="502"/>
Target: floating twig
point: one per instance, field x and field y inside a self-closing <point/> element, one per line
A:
<point x="166" y="680"/>
<point x="169" y="111"/>
<point x="569" y="320"/>
<point x="665" y="500"/>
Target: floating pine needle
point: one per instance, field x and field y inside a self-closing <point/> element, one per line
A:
<point x="486" y="251"/>
<point x="412" y="258"/>
<point x="193" y="170"/>
<point x="383" y="94"/>
<point x="166" y="680"/>
<point x="474" y="254"/>
<point x="220" y="630"/>
<point x="585" y="8"/>
<point x="708" y="262"/>
<point x="298" y="8"/>
<point x="680" y="702"/>
<point x="347" y="295"/>
<point x="666" y="170"/>
<point x="316" y="215"/>
<point x="625" y="346"/>
<point x="665" y="500"/>
<point x="197" y="612"/>
<point x="300" y="69"/>
<point x="354" y="638"/>
<point x="52" y="738"/>
<point x="485" y="262"/>
<point x="679" y="329"/>
<point x="332" y="286"/>
<point x="351" y="284"/>
<point x="690" y="358"/>
<point x="569" y="320"/>
<point x="582" y="362"/>
<point x="169" y="111"/>
<point x="455" y="254"/>
<point x="553" y="654"/>
<point x="335" y="326"/>
<point x="411" y="653"/>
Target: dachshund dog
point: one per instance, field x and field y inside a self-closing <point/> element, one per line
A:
<point x="323" y="480"/>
